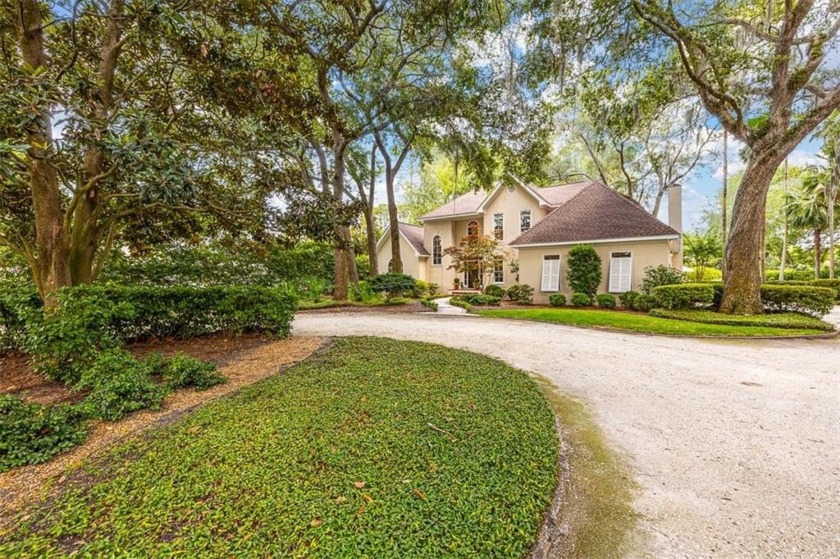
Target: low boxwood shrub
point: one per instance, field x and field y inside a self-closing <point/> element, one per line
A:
<point x="34" y="433"/>
<point x="606" y="300"/>
<point x="557" y="300"/>
<point x="829" y="283"/>
<point x="481" y="299"/>
<point x="521" y="293"/>
<point x="660" y="275"/>
<point x="495" y="291"/>
<point x="117" y="384"/>
<point x="627" y="299"/>
<point x="581" y="299"/>
<point x="393" y="284"/>
<point x="644" y="302"/>
<point x="459" y="302"/>
<point x="183" y="371"/>
<point x="775" y="320"/>
<point x="683" y="296"/>
<point x="16" y="303"/>
<point x="429" y="303"/>
<point x="817" y="301"/>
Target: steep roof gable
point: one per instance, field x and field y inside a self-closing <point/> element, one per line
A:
<point x="596" y="212"/>
<point x="411" y="233"/>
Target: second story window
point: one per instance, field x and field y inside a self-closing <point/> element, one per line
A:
<point x="437" y="253"/>
<point x="524" y="220"/>
<point x="472" y="229"/>
<point x="499" y="226"/>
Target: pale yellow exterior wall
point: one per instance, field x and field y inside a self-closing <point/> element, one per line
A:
<point x="645" y="253"/>
<point x="413" y="265"/>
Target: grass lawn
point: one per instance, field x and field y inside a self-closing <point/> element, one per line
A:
<point x="615" y="320"/>
<point x="376" y="448"/>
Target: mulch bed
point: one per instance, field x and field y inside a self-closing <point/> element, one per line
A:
<point x="242" y="361"/>
<point x="17" y="377"/>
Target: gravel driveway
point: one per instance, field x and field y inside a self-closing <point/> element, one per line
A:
<point x="735" y="444"/>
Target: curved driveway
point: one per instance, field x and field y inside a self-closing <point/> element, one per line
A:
<point x="735" y="445"/>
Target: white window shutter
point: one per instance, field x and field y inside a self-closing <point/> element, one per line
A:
<point x="551" y="273"/>
<point x="621" y="267"/>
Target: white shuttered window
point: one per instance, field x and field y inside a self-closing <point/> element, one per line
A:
<point x="551" y="273"/>
<point x="621" y="267"/>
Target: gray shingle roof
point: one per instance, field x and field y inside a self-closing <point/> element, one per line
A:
<point x="595" y="212"/>
<point x="414" y="234"/>
<point x="465" y="204"/>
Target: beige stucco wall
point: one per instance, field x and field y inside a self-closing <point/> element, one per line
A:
<point x="510" y="204"/>
<point x="413" y="265"/>
<point x="645" y="253"/>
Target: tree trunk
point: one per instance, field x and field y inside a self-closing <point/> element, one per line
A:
<point x="783" y="259"/>
<point x="658" y="202"/>
<point x="51" y="270"/>
<point x="742" y="286"/>
<point x="817" y="252"/>
<point x="724" y="194"/>
<point x="370" y="231"/>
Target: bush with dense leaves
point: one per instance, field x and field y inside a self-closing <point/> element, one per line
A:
<point x="392" y="284"/>
<point x="479" y="299"/>
<point x="644" y="302"/>
<point x="16" y="304"/>
<point x="684" y="296"/>
<point x="557" y="300"/>
<point x="34" y="433"/>
<point x="183" y="371"/>
<point x="660" y="275"/>
<point x="117" y="383"/>
<point x="521" y="293"/>
<point x="581" y="300"/>
<point x="829" y="283"/>
<point x="606" y="300"/>
<point x="429" y="303"/>
<point x="817" y="301"/>
<point x="774" y="320"/>
<point x="495" y="291"/>
<point x="627" y="299"/>
<point x="584" y="274"/>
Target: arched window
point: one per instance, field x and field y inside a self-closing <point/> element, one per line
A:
<point x="472" y="229"/>
<point x="437" y="253"/>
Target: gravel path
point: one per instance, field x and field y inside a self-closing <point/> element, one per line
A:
<point x="735" y="444"/>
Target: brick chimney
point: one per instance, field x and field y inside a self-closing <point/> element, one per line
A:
<point x="675" y="207"/>
<point x="675" y="221"/>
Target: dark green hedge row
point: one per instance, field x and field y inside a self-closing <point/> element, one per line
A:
<point x="817" y="301"/>
<point x="776" y="320"/>
<point x="684" y="295"/>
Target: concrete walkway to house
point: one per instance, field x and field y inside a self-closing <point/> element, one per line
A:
<point x="735" y="444"/>
<point x="445" y="307"/>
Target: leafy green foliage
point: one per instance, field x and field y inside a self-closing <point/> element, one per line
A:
<point x="829" y="283"/>
<point x="33" y="433"/>
<point x="521" y="293"/>
<point x="634" y="322"/>
<point x="183" y="371"/>
<point x="581" y="300"/>
<point x="424" y="289"/>
<point x="429" y="303"/>
<point x="584" y="270"/>
<point x="479" y="299"/>
<point x="392" y="284"/>
<point x="644" y="302"/>
<point x="702" y="251"/>
<point x="495" y="290"/>
<point x="684" y="296"/>
<point x="557" y="300"/>
<point x="606" y="300"/>
<point x="627" y="298"/>
<point x="775" y="320"/>
<point x="16" y="305"/>
<point x="660" y="275"/>
<point x="118" y="383"/>
<point x="398" y="448"/>
<point x="817" y="301"/>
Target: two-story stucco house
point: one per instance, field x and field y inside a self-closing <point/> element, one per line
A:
<point x="539" y="226"/>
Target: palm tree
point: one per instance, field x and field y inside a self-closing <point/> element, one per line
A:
<point x="807" y="209"/>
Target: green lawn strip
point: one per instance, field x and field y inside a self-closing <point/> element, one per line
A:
<point x="457" y="453"/>
<point x="776" y="320"/>
<point x="614" y="320"/>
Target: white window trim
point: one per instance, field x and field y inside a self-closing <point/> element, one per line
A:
<point x="556" y="287"/>
<point x="611" y="288"/>
<point x="502" y="215"/>
<point x="503" y="274"/>
<point x="530" y="220"/>
<point x="440" y="244"/>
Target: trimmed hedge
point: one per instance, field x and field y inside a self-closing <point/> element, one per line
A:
<point x="777" y="320"/>
<point x="683" y="295"/>
<point x="829" y="283"/>
<point x="817" y="301"/>
<point x="557" y="300"/>
<point x="606" y="300"/>
<point x="627" y="298"/>
<point x="644" y="302"/>
<point x="581" y="299"/>
<point x="521" y="293"/>
<point x="480" y="299"/>
<point x="495" y="291"/>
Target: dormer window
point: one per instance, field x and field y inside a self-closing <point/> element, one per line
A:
<point x="524" y="220"/>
